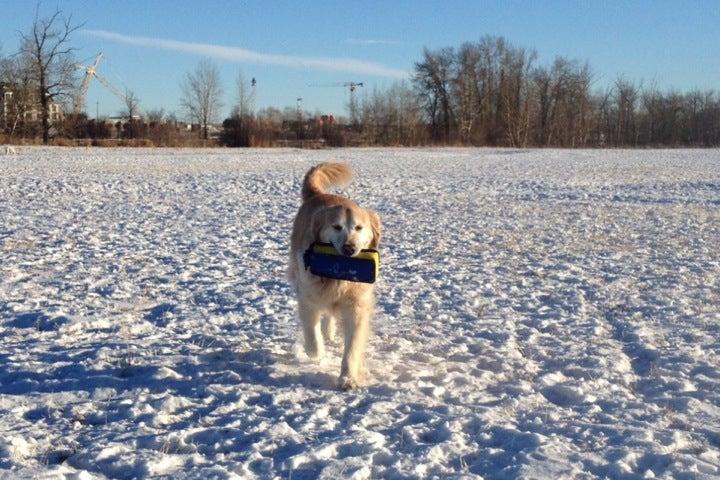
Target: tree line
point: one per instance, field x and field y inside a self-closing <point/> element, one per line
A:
<point x="492" y="92"/>
<point x="484" y="93"/>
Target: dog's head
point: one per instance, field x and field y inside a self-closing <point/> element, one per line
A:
<point x="349" y="228"/>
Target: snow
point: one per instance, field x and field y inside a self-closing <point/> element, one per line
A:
<point x="541" y="314"/>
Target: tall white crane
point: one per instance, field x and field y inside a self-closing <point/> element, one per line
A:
<point x="90" y="72"/>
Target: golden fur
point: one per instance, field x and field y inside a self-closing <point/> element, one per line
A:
<point x="350" y="228"/>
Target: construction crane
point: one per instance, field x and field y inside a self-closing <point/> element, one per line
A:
<point x="349" y="85"/>
<point x="90" y="72"/>
<point x="352" y="105"/>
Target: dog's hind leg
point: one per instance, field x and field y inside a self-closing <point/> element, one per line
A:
<point x="329" y="326"/>
<point x="356" y="322"/>
<point x="312" y="330"/>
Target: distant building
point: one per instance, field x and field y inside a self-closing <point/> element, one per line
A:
<point x="20" y="105"/>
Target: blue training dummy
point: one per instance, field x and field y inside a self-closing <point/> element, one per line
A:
<point x="323" y="260"/>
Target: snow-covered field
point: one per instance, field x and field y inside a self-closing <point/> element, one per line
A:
<point x="541" y="314"/>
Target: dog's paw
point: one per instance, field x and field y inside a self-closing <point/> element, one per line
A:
<point x="346" y="383"/>
<point x="314" y="351"/>
<point x="315" y="355"/>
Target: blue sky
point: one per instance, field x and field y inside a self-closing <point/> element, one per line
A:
<point x="288" y="46"/>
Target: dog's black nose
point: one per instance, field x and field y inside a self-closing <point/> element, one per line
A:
<point x="348" y="250"/>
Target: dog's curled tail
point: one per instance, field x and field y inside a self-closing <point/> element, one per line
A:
<point x="323" y="176"/>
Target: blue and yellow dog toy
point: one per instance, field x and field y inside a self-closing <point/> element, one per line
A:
<point x="322" y="259"/>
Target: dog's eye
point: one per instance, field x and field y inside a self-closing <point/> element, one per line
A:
<point x="358" y="227"/>
<point x="337" y="227"/>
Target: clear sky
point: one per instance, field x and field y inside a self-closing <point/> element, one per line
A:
<point x="289" y="45"/>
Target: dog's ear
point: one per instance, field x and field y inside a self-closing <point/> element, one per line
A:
<point x="316" y="224"/>
<point x="376" y="229"/>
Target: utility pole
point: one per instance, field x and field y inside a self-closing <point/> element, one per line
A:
<point x="300" y="129"/>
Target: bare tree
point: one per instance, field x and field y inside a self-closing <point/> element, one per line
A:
<point x="432" y="79"/>
<point x="465" y="90"/>
<point x="201" y="92"/>
<point x="516" y="66"/>
<point x="47" y="53"/>
<point x="156" y="116"/>
<point x="132" y="104"/>
<point x="490" y="78"/>
<point x="133" y="128"/>
<point x="245" y="105"/>
<point x="626" y="97"/>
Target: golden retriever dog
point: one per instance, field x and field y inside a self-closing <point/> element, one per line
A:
<point x="334" y="219"/>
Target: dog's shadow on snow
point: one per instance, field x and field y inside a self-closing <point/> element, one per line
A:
<point x="67" y="368"/>
<point x="260" y="366"/>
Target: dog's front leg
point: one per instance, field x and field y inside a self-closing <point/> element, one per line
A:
<point x="310" y="318"/>
<point x="356" y="321"/>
